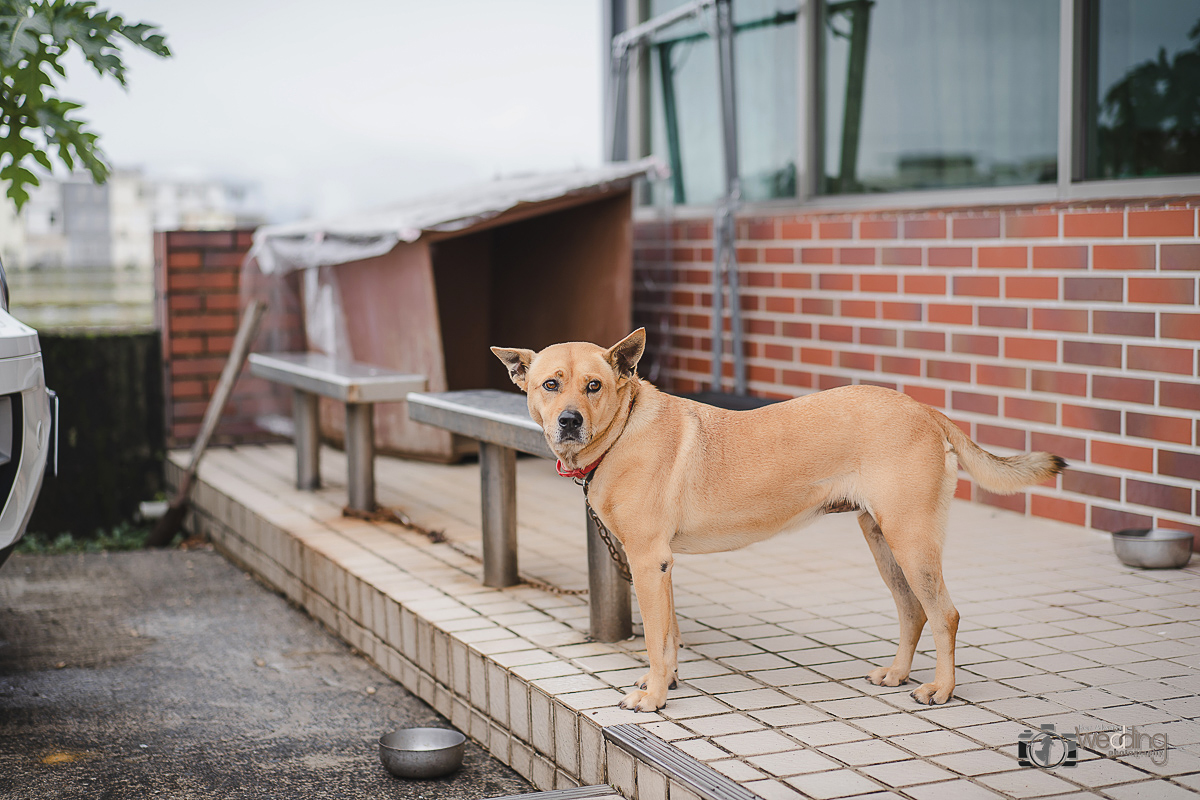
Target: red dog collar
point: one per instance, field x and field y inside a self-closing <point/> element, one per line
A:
<point x="577" y="473"/>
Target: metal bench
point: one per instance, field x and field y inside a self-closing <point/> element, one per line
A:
<point x="360" y="387"/>
<point x="500" y="422"/>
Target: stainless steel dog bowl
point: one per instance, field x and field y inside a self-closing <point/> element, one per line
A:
<point x="422" y="753"/>
<point x="1155" y="548"/>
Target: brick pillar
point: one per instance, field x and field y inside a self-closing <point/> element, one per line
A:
<point x="197" y="280"/>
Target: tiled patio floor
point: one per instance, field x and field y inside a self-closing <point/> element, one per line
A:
<point x="777" y="638"/>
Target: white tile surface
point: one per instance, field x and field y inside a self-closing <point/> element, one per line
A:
<point x="778" y="637"/>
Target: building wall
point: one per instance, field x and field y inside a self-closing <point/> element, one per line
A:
<point x="44" y="243"/>
<point x="86" y="225"/>
<point x="198" y="276"/>
<point x="131" y="220"/>
<point x="1071" y="329"/>
<point x="12" y="233"/>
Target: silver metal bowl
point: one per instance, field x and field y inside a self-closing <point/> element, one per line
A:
<point x="422" y="753"/>
<point x="1155" y="548"/>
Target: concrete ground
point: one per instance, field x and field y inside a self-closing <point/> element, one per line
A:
<point x="175" y="674"/>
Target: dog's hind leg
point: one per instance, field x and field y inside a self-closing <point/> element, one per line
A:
<point x="925" y="577"/>
<point x="908" y="607"/>
<point x="916" y="544"/>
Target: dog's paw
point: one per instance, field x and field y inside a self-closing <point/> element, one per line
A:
<point x="886" y="676"/>
<point x="642" y="682"/>
<point x="929" y="694"/>
<point x="639" y="700"/>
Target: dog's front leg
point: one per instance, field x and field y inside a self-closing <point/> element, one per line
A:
<point x="673" y="643"/>
<point x="651" y="569"/>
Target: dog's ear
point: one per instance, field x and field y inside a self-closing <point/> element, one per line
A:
<point x="517" y="361"/>
<point x="625" y="354"/>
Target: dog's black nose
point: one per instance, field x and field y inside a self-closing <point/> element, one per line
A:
<point x="570" y="421"/>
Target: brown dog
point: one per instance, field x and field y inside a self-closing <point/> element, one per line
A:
<point x="683" y="477"/>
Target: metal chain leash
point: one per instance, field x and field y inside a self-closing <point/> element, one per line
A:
<point x="616" y="555"/>
<point x="389" y="514"/>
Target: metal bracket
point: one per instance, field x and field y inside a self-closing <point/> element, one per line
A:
<point x="725" y="265"/>
<point x="697" y="777"/>
<point x="53" y="397"/>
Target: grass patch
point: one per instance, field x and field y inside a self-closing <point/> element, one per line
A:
<point x="124" y="536"/>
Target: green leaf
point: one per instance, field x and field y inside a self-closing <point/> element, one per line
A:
<point x="35" y="36"/>
<point x="18" y="146"/>
<point x="18" y="195"/>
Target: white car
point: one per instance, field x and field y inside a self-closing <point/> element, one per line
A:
<point x="28" y="412"/>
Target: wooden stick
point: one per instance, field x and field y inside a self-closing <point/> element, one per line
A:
<point x="170" y="522"/>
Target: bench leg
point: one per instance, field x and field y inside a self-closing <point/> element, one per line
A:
<point x="307" y="438"/>
<point x="498" y="482"/>
<point x="360" y="455"/>
<point x="608" y="593"/>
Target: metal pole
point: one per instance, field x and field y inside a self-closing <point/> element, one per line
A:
<point x="498" y="482"/>
<point x="618" y="57"/>
<point x="675" y="155"/>
<point x="735" y="309"/>
<point x="608" y="593"/>
<point x="729" y="133"/>
<point x="360" y="455"/>
<point x="639" y="33"/>
<point x="718" y="291"/>
<point x="860" y="21"/>
<point x="616" y="139"/>
<point x="305" y="407"/>
<point x="727" y="255"/>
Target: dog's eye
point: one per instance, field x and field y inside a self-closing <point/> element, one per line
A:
<point x="550" y="385"/>
<point x="593" y="386"/>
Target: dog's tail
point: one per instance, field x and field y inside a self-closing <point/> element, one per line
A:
<point x="1000" y="475"/>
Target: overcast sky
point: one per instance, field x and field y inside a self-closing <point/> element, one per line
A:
<point x="334" y="107"/>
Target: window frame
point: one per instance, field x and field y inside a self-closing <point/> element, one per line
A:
<point x="1072" y="131"/>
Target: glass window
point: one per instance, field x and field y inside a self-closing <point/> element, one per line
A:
<point x="1143" y="113"/>
<point x="922" y="94"/>
<point x="685" y="117"/>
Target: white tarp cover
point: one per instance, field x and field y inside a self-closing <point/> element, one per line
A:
<point x="322" y="243"/>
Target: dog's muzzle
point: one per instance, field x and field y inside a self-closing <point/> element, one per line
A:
<point x="570" y="426"/>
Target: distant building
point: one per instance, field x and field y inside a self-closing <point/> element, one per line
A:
<point x="131" y="221"/>
<point x="75" y="224"/>
<point x="12" y="233"/>
<point x="41" y="221"/>
<point x="205" y="205"/>
<point x="85" y="225"/>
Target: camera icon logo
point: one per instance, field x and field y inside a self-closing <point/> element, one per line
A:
<point x="1047" y="748"/>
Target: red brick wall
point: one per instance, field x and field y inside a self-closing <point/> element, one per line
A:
<point x="198" y="310"/>
<point x="1069" y="329"/>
